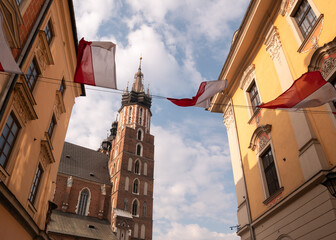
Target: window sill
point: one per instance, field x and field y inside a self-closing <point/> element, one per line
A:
<point x="309" y="36"/>
<point x="274" y="197"/>
<point x="255" y="113"/>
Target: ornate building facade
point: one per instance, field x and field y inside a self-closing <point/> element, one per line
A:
<point x="280" y="158"/>
<point x="35" y="109"/>
<point x="131" y="165"/>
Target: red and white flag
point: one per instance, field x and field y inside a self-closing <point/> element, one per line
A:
<point x="96" y="64"/>
<point x="7" y="61"/>
<point x="310" y="90"/>
<point x="206" y="90"/>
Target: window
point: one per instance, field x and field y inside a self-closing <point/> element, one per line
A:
<point x="139" y="137"/>
<point x="305" y="18"/>
<point x="125" y="204"/>
<point x="129" y="167"/>
<point x="136" y="230"/>
<point x="270" y="171"/>
<point x="32" y="75"/>
<point x="130" y="115"/>
<point x="62" y="87"/>
<point x="36" y="183"/>
<point x="83" y="202"/>
<point x="135" y="208"/>
<point x="145" y="169"/>
<point x="136" y="186"/>
<point x="254" y="96"/>
<point x="137" y="167"/>
<point x="145" y="188"/>
<point x="8" y="137"/>
<point x="144" y="209"/>
<point x="126" y="183"/>
<point x="143" y="229"/>
<point x="49" y="32"/>
<point x="139" y="150"/>
<point x="51" y="126"/>
<point x="140" y="116"/>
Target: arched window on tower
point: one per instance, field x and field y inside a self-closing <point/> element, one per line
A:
<point x="125" y="204"/>
<point x="142" y="231"/>
<point x="139" y="150"/>
<point x="135" y="207"/>
<point x="136" y="186"/>
<point x="83" y="202"/>
<point x="130" y="115"/>
<point x="139" y="136"/>
<point x="140" y="116"/>
<point x="137" y="167"/>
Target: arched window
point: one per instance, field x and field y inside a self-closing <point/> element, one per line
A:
<point x="136" y="230"/>
<point x="83" y="202"/>
<point x="137" y="167"/>
<point x="130" y="115"/>
<point x="140" y="116"/>
<point x="126" y="183"/>
<point x="116" y="152"/>
<point x="145" y="169"/>
<point x="135" y="207"/>
<point x="129" y="168"/>
<point x="125" y="204"/>
<point x="144" y="209"/>
<point x="142" y="232"/>
<point x="139" y="150"/>
<point x="136" y="186"/>
<point x="145" y="188"/>
<point x="139" y="136"/>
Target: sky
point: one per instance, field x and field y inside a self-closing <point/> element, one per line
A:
<point x="182" y="43"/>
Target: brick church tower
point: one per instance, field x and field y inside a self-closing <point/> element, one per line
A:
<point x="131" y="165"/>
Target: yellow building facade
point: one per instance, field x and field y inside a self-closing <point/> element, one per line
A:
<point x="35" y="111"/>
<point x="281" y="157"/>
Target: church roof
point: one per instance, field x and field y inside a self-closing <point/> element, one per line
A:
<point x="80" y="226"/>
<point x="84" y="163"/>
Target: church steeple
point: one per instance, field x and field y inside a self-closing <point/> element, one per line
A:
<point x="138" y="76"/>
<point x="137" y="95"/>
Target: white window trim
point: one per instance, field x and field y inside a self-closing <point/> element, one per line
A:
<point x="293" y="5"/>
<point x="145" y="169"/>
<point x="130" y="164"/>
<point x="138" y="193"/>
<point x="138" y="208"/>
<point x="261" y="168"/>
<point x="142" y="134"/>
<point x="249" y="77"/>
<point x="137" y="160"/>
<point x="87" y="212"/>
<point x="136" y="149"/>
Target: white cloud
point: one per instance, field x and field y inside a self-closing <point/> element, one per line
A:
<point x="90" y="14"/>
<point x="190" y="232"/>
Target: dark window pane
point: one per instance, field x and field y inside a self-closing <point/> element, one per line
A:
<point x="270" y="172"/>
<point x="305" y="18"/>
<point x="8" y="137"/>
<point x="48" y="32"/>
<point x="254" y="96"/>
<point x="32" y="75"/>
<point x="36" y="183"/>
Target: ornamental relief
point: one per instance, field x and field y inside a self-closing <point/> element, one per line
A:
<point x="20" y="107"/>
<point x="328" y="67"/>
<point x="273" y="43"/>
<point x="228" y="117"/>
<point x="248" y="76"/>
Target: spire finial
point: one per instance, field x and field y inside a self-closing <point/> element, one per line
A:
<point x="140" y="61"/>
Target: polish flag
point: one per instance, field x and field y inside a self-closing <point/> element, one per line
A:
<point x="206" y="90"/>
<point x="7" y="61"/>
<point x="96" y="64"/>
<point x="310" y="90"/>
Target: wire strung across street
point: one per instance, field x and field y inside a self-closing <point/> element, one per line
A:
<point x="57" y="82"/>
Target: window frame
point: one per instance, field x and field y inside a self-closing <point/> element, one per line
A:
<point x="136" y="210"/>
<point x="36" y="184"/>
<point x="303" y="18"/>
<point x="14" y="120"/>
<point x="300" y="39"/>
<point x="62" y="87"/>
<point x="261" y="152"/>
<point x="253" y="95"/>
<point x="136" y="186"/>
<point x="49" y="31"/>
<point x="79" y="210"/>
<point x="52" y="125"/>
<point x="33" y="67"/>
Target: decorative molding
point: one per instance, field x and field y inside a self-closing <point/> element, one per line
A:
<point x="23" y="101"/>
<point x="228" y="116"/>
<point x="69" y="181"/>
<point x="257" y="134"/>
<point x="247" y="78"/>
<point x="273" y="43"/>
<point x="103" y="189"/>
<point x="262" y="143"/>
<point x="59" y="106"/>
<point x="46" y="153"/>
<point x="324" y="60"/>
<point x="283" y="7"/>
<point x="311" y="41"/>
<point x="42" y="52"/>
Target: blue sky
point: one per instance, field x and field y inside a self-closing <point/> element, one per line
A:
<point x="182" y="42"/>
